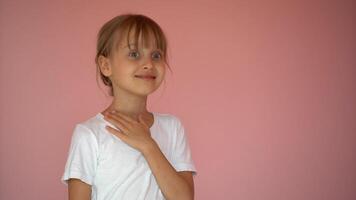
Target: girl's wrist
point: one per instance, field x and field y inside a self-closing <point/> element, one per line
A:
<point x="149" y="147"/>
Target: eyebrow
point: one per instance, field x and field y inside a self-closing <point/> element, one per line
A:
<point x="134" y="44"/>
<point x="131" y="44"/>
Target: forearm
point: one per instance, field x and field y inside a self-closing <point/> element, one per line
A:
<point x="172" y="185"/>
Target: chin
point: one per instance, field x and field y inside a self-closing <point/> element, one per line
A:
<point x="146" y="92"/>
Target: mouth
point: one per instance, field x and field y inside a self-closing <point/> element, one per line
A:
<point x="146" y="77"/>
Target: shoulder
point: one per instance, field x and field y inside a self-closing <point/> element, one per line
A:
<point x="171" y="123"/>
<point x="168" y="119"/>
<point x="88" y="129"/>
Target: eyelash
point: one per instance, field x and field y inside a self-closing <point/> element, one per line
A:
<point x="130" y="53"/>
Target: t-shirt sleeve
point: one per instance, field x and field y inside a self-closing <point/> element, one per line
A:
<point x="82" y="157"/>
<point x="182" y="158"/>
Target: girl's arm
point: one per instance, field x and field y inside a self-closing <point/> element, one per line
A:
<point x="174" y="185"/>
<point x="78" y="190"/>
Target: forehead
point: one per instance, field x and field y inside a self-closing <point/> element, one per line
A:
<point x="137" y="40"/>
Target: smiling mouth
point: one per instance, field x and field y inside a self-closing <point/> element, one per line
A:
<point x="146" y="77"/>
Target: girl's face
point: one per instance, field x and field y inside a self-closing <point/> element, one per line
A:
<point x="137" y="70"/>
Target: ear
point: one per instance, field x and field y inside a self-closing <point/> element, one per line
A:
<point x="104" y="65"/>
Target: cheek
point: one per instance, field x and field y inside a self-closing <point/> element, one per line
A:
<point x="123" y="69"/>
<point x="162" y="69"/>
<point x="120" y="75"/>
<point x="162" y="72"/>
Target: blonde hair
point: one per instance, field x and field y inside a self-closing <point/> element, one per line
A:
<point x="111" y="33"/>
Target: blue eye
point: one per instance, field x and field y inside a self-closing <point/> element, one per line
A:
<point x="134" y="54"/>
<point x="157" y="55"/>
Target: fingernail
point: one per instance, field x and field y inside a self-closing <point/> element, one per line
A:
<point x="113" y="111"/>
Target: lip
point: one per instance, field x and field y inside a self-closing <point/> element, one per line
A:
<point x="146" y="77"/>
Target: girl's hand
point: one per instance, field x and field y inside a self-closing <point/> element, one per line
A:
<point x="135" y="133"/>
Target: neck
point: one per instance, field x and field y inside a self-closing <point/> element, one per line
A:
<point x="129" y="104"/>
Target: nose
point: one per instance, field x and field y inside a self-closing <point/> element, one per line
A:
<point x="148" y="64"/>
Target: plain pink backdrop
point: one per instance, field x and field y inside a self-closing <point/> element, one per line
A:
<point x="265" y="89"/>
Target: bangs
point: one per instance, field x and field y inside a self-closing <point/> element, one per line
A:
<point x="136" y="27"/>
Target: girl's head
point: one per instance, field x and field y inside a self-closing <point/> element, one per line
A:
<point x="129" y="46"/>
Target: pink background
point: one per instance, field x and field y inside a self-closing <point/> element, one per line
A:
<point x="265" y="89"/>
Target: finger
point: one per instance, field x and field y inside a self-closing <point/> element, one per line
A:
<point x="117" y="122"/>
<point x="118" y="133"/>
<point x="142" y="121"/>
<point x="121" y="117"/>
<point x="127" y="118"/>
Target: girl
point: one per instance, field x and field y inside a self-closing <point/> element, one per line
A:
<point x="126" y="152"/>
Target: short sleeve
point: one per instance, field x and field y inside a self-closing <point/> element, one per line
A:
<point x="181" y="157"/>
<point x="82" y="157"/>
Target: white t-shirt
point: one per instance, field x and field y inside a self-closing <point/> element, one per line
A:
<point x="116" y="170"/>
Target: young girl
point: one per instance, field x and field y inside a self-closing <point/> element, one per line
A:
<point x="126" y="152"/>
